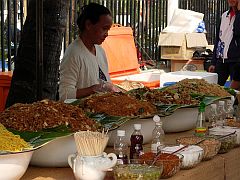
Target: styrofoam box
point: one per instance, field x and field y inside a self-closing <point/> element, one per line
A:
<point x="180" y="75"/>
<point x="143" y="77"/>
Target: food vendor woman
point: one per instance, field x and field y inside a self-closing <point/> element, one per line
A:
<point x="84" y="67"/>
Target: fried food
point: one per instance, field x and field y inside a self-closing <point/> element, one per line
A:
<point x="46" y="114"/>
<point x="129" y="85"/>
<point x="181" y="92"/>
<point x="199" y="86"/>
<point x="118" y="104"/>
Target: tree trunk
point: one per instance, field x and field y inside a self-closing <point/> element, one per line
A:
<point x="23" y="85"/>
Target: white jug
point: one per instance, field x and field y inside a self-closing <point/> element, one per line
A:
<point x="91" y="167"/>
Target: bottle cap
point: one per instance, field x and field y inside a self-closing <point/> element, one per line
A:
<point x="156" y="119"/>
<point x="221" y="103"/>
<point x="121" y="133"/>
<point x="202" y="107"/>
<point x="229" y="102"/>
<point x="214" y="106"/>
<point x="137" y="126"/>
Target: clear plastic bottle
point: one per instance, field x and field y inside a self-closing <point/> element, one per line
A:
<point x="229" y="110"/>
<point x="121" y="147"/>
<point x="212" y="116"/>
<point x="201" y="128"/>
<point x="157" y="135"/>
<point x="136" y="148"/>
<point x="221" y="113"/>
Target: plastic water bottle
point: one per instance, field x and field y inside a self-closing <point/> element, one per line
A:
<point x="229" y="110"/>
<point x="221" y="114"/>
<point x="201" y="128"/>
<point x="212" y="117"/>
<point x="157" y="135"/>
<point x="121" y="147"/>
<point x="136" y="148"/>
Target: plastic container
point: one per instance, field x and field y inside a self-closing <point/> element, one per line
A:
<point x="171" y="162"/>
<point x="121" y="147"/>
<point x="227" y="143"/>
<point x="224" y="130"/>
<point x="180" y="75"/>
<point x="136" y="148"/>
<point x="192" y="155"/>
<point x="210" y="145"/>
<point x="5" y="82"/>
<point x="137" y="171"/>
<point x="157" y="135"/>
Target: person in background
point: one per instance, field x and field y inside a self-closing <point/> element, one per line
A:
<point x="84" y="67"/>
<point x="227" y="47"/>
<point x="235" y="84"/>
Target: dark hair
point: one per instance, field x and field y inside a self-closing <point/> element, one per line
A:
<point x="91" y="12"/>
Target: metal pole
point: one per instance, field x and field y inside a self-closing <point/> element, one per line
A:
<point x="39" y="48"/>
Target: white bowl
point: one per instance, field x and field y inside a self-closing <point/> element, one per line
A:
<point x="182" y="119"/>
<point x="13" y="166"/>
<point x="55" y="153"/>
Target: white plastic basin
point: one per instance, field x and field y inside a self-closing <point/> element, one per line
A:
<point x="13" y="166"/>
<point x="182" y="119"/>
<point x="55" y="153"/>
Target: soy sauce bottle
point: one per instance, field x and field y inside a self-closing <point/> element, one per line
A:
<point x="136" y="139"/>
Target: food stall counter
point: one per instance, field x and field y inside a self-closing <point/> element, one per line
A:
<point x="223" y="166"/>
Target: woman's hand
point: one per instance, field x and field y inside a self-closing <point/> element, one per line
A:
<point x="211" y="69"/>
<point x="104" y="86"/>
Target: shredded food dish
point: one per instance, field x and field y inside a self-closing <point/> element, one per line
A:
<point x="10" y="142"/>
<point x="129" y="85"/>
<point x="46" y="114"/>
<point x="181" y="92"/>
<point x="118" y="104"/>
<point x="199" y="86"/>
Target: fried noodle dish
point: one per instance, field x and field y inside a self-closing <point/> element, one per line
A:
<point x="46" y="114"/>
<point x="118" y="104"/>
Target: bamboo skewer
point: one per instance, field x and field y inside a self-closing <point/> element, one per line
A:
<point x="90" y="143"/>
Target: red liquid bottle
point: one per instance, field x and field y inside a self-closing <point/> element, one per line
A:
<point x="121" y="148"/>
<point x="136" y="148"/>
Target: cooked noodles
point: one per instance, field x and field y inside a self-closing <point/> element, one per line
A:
<point x="10" y="142"/>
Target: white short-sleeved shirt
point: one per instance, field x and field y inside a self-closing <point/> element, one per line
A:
<point x="80" y="69"/>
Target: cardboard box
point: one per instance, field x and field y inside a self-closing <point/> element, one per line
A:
<point x="187" y="65"/>
<point x="180" y="75"/>
<point x="180" y="45"/>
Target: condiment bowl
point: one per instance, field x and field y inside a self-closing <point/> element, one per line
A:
<point x="14" y="165"/>
<point x="227" y="143"/>
<point x="171" y="162"/>
<point x="210" y="145"/>
<point x="192" y="155"/>
<point x="137" y="171"/>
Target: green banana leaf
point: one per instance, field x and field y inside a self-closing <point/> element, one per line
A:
<point x="40" y="138"/>
<point x="109" y="122"/>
